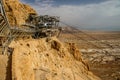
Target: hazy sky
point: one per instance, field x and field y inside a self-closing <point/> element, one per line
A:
<point x="85" y="14"/>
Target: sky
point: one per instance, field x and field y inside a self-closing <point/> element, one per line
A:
<point x="84" y="14"/>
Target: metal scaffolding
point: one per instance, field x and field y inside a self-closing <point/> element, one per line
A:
<point x="35" y="27"/>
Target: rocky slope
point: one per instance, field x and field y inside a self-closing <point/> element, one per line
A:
<point x="17" y="12"/>
<point x="104" y="58"/>
<point x="3" y="65"/>
<point x="40" y="59"/>
<point x="48" y="59"/>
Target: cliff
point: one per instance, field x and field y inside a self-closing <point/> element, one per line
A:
<point x="40" y="59"/>
<point x="48" y="59"/>
<point x="17" y="12"/>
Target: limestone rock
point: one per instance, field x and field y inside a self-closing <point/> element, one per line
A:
<point x="48" y="59"/>
<point x="42" y="59"/>
<point x="17" y="12"/>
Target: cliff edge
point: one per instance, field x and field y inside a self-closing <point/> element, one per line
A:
<point x="40" y="59"/>
<point x="17" y="12"/>
<point x="48" y="59"/>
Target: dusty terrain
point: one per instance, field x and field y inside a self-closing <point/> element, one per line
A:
<point x="40" y="59"/>
<point x="48" y="59"/>
<point x="44" y="59"/>
<point x="51" y="59"/>
<point x="17" y="12"/>
<point x="100" y="49"/>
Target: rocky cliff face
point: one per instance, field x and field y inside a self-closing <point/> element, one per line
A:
<point x="41" y="59"/>
<point x="48" y="59"/>
<point x="17" y="12"/>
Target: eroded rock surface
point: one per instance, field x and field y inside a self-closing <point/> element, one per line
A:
<point x="40" y="59"/>
<point x="17" y="12"/>
<point x="48" y="59"/>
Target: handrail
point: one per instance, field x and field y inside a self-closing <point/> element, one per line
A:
<point x="4" y="13"/>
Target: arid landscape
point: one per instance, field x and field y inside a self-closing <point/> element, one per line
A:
<point x="103" y="59"/>
<point x="100" y="49"/>
<point x="73" y="55"/>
